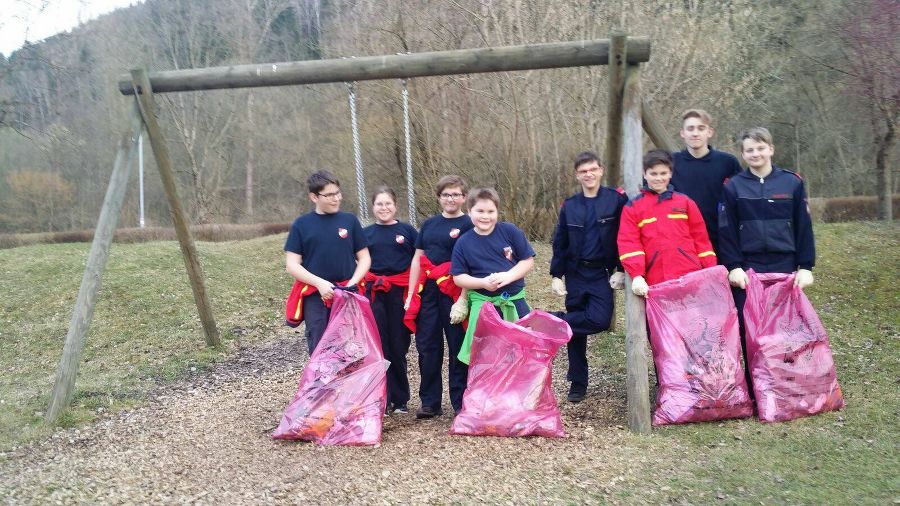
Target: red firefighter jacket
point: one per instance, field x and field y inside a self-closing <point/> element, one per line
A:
<point x="384" y="283"/>
<point x="663" y="236"/>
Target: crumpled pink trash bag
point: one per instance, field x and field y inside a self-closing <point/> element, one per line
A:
<point x="790" y="360"/>
<point x="697" y="349"/>
<point x="342" y="393"/>
<point x="510" y="391"/>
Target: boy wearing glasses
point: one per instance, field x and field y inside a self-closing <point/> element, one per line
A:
<point x="436" y="307"/>
<point x="324" y="248"/>
<point x="585" y="253"/>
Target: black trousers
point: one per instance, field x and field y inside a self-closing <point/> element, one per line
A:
<point x="395" y="340"/>
<point x="590" y="305"/>
<point x="432" y="324"/>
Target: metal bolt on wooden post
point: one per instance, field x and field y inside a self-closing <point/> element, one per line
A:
<point x="67" y="370"/>
<point x="637" y="381"/>
<point x="144" y="94"/>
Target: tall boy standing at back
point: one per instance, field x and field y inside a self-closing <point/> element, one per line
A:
<point x="585" y="252"/>
<point x="324" y="248"/>
<point x="700" y="170"/>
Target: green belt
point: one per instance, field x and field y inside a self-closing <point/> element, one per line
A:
<point x="476" y="300"/>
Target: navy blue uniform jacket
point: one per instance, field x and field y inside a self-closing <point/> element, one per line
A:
<point x="572" y="231"/>
<point x="764" y="223"/>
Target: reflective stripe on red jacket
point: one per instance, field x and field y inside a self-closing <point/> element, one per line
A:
<point x="441" y="275"/>
<point x="663" y="236"/>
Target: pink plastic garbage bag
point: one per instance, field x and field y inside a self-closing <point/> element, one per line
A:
<point x="342" y="393"/>
<point x="509" y="391"/>
<point x="787" y="348"/>
<point x="697" y="349"/>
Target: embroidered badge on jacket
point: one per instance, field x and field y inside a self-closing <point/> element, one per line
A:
<point x="342" y="233"/>
<point x="454" y="233"/>
<point x="508" y="253"/>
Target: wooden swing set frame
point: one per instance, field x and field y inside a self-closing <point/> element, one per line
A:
<point x="627" y="119"/>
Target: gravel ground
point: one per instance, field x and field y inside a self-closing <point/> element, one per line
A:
<point x="207" y="440"/>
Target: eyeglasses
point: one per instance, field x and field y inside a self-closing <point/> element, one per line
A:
<point x="334" y="195"/>
<point x="453" y="196"/>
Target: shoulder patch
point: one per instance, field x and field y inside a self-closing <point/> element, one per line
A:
<point x="793" y="173"/>
<point x="620" y="190"/>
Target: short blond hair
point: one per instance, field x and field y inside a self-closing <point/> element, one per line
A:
<point x="758" y="134"/>
<point x="700" y="114"/>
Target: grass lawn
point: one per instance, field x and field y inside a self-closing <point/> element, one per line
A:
<point x="145" y="327"/>
<point x="145" y="331"/>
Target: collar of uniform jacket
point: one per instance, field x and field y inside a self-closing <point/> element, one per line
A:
<point x="705" y="158"/>
<point x="666" y="195"/>
<point x="747" y="173"/>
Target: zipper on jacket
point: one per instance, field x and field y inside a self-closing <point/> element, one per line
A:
<point x="683" y="252"/>
<point x="650" y="263"/>
<point x="762" y="196"/>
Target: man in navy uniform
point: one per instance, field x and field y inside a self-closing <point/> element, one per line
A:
<point x="585" y="254"/>
<point x="764" y="221"/>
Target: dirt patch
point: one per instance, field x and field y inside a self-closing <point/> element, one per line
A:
<point x="208" y="440"/>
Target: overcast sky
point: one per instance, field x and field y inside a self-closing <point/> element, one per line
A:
<point x="35" y="20"/>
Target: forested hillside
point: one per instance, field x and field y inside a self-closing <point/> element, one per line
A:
<point x="822" y="76"/>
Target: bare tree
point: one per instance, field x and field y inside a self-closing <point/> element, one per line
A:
<point x="869" y="28"/>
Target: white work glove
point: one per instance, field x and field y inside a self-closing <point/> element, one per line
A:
<point x="738" y="278"/>
<point x="639" y="286"/>
<point x="558" y="286"/>
<point x="459" y="311"/>
<point x="617" y="281"/>
<point x="803" y="278"/>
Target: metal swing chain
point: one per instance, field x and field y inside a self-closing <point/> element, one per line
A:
<point x="357" y="154"/>
<point x="410" y="187"/>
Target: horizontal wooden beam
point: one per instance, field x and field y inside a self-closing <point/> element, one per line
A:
<point x="437" y="63"/>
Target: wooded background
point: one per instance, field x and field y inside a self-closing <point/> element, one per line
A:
<point x="823" y="77"/>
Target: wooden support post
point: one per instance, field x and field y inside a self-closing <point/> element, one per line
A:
<point x="67" y="370"/>
<point x="637" y="381"/>
<point x="144" y="94"/>
<point x="617" y="61"/>
<point x="657" y="133"/>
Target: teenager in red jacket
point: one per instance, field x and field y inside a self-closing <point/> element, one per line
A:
<point x="662" y="235"/>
